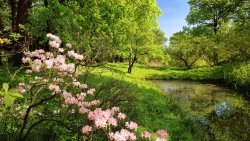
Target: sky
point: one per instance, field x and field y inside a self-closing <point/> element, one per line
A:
<point x="173" y="15"/>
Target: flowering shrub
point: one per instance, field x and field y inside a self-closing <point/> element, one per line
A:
<point x="56" y="79"/>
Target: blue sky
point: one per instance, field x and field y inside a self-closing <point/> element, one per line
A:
<point x="173" y="17"/>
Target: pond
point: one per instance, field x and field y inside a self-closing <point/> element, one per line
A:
<point x="221" y="111"/>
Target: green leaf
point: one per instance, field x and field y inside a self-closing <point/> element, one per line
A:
<point x="8" y="100"/>
<point x="15" y="94"/>
<point x="2" y="93"/>
<point x="6" y="87"/>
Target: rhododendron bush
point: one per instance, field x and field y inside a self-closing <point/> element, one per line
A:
<point x="55" y="79"/>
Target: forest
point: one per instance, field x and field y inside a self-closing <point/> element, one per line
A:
<point x="93" y="70"/>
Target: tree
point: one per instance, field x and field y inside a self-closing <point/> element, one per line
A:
<point x="187" y="49"/>
<point x="141" y="30"/>
<point x="212" y="13"/>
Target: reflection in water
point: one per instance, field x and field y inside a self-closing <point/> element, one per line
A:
<point x="225" y="113"/>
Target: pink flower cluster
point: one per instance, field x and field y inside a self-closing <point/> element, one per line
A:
<point x="162" y="135"/>
<point x="68" y="45"/>
<point x="54" y="40"/>
<point x="131" y="125"/>
<point x="121" y="116"/>
<point x="102" y="118"/>
<point x="48" y="60"/>
<point x="78" y="84"/>
<point x="56" y="73"/>
<point x="75" y="55"/>
<point x="146" y="134"/>
<point x="123" y="135"/>
<point x="86" y="129"/>
<point x="21" y="88"/>
<point x="54" y="88"/>
<point x="79" y="101"/>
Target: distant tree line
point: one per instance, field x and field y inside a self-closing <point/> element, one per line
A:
<point x="218" y="33"/>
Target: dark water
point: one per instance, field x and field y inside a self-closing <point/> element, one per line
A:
<point x="222" y="112"/>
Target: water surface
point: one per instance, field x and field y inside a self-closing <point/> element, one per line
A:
<point x="221" y="111"/>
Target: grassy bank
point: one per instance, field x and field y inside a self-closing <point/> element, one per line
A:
<point x="150" y="108"/>
<point x="144" y="102"/>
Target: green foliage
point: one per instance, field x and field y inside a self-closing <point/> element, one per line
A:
<point x="238" y="74"/>
<point x="188" y="49"/>
<point x="9" y="96"/>
<point x="218" y="26"/>
<point x="4" y="41"/>
<point x="211" y="12"/>
<point x="125" y="28"/>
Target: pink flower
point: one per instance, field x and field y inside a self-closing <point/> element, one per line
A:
<point x="49" y="63"/>
<point x="83" y="86"/>
<point x="54" y="88"/>
<point x="115" y="109"/>
<point x="21" y="90"/>
<point x="37" y="62"/>
<point x="72" y="53"/>
<point x="54" y="44"/>
<point x="91" y="91"/>
<point x="83" y="110"/>
<point x="54" y="38"/>
<point x="112" y="121"/>
<point x="69" y="99"/>
<point x="100" y="117"/>
<point x="94" y="102"/>
<point x="123" y="135"/>
<point x="86" y="129"/>
<point x="35" y="68"/>
<point x="76" y="83"/>
<point x="121" y="116"/>
<point x="28" y="71"/>
<point x="146" y="134"/>
<point x="21" y="84"/>
<point x="60" y="50"/>
<point x="131" y="125"/>
<point x="68" y="45"/>
<point x="25" y="59"/>
<point x="162" y="133"/>
<point x="49" y="54"/>
<point x="160" y="139"/>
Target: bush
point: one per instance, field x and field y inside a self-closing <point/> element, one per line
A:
<point x="55" y="97"/>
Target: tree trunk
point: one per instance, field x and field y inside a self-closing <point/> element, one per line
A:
<point x="215" y="56"/>
<point x="20" y="18"/>
<point x="1" y="63"/>
<point x="132" y="61"/>
<point x="47" y="47"/>
<point x="1" y="27"/>
<point x="13" y="7"/>
<point x="186" y="64"/>
<point x="22" y="13"/>
<point x="116" y="58"/>
<point x="1" y="24"/>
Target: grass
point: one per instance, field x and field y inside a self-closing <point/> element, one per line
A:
<point x="152" y="109"/>
<point x="143" y="101"/>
